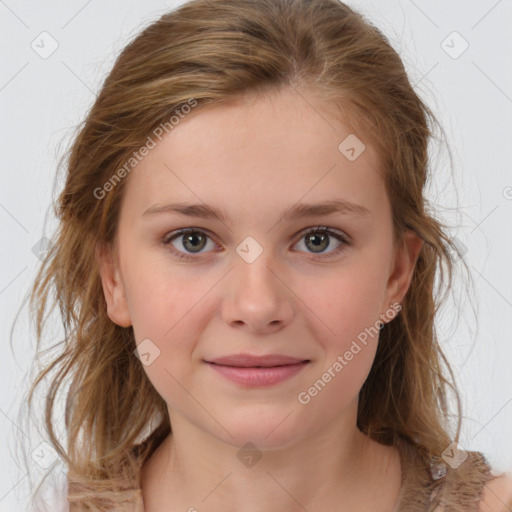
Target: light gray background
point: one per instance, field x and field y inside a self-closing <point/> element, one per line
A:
<point x="42" y="99"/>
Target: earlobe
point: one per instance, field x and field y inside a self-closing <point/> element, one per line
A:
<point x="403" y="267"/>
<point x="113" y="288"/>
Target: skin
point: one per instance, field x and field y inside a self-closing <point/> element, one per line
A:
<point x="254" y="159"/>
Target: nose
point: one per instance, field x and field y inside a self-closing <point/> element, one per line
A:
<point x="257" y="298"/>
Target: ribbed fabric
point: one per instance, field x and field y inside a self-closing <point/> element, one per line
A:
<point x="438" y="487"/>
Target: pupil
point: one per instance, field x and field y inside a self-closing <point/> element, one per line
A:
<point x="318" y="242"/>
<point x="192" y="239"/>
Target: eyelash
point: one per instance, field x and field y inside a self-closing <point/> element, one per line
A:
<point x="323" y="230"/>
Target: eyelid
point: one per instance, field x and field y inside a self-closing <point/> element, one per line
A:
<point x="183" y="231"/>
<point x="327" y="229"/>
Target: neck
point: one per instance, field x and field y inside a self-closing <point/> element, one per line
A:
<point x="338" y="467"/>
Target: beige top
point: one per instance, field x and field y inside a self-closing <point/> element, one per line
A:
<point x="439" y="487"/>
<point x="434" y="487"/>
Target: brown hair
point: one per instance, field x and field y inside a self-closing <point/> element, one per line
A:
<point x="212" y="52"/>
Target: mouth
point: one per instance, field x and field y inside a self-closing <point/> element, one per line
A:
<point x="257" y="371"/>
<point x="256" y="361"/>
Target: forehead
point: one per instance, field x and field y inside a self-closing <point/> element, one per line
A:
<point x="260" y="153"/>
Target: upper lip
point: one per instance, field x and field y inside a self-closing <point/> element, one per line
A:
<point x="248" y="360"/>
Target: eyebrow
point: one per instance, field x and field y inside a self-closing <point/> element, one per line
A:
<point x="299" y="211"/>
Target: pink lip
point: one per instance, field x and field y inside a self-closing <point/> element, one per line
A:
<point x="257" y="370"/>
<point x="248" y="360"/>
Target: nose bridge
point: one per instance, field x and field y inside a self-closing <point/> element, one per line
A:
<point x="255" y="279"/>
<point x="257" y="275"/>
<point x="257" y="297"/>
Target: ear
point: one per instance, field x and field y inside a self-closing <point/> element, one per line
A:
<point x="402" y="269"/>
<point x="113" y="287"/>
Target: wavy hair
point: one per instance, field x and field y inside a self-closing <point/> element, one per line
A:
<point x="213" y="52"/>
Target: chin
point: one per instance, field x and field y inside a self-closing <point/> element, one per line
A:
<point x="265" y="432"/>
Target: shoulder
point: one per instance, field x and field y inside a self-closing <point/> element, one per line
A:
<point x="471" y="485"/>
<point x="497" y="494"/>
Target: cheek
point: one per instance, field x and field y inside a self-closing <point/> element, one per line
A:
<point x="345" y="302"/>
<point x="349" y="305"/>
<point x="162" y="303"/>
<point x="171" y="310"/>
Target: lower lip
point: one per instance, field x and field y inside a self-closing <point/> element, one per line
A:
<point x="255" y="377"/>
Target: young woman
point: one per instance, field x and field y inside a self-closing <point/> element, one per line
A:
<point x="246" y="269"/>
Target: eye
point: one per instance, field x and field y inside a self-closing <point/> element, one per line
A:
<point x="189" y="241"/>
<point x="318" y="240"/>
<point x="192" y="239"/>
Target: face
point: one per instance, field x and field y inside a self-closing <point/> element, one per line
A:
<point x="264" y="279"/>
